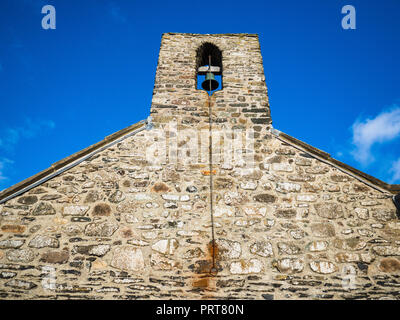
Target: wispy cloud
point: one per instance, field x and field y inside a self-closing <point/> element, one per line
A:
<point x="395" y="170"/>
<point x="4" y="162"/>
<point x="11" y="136"/>
<point x="383" y="128"/>
<point x="117" y="14"/>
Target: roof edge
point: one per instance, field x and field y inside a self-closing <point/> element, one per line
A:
<point x="212" y="34"/>
<point x="70" y="161"/>
<point x="362" y="176"/>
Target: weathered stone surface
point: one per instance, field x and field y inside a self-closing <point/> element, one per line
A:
<point x="249" y="185"/>
<point x="139" y="243"/>
<point x="59" y="257"/>
<point x="7" y="275"/>
<point x="323" y="230"/>
<point x="285" y="151"/>
<point x="223" y="183"/>
<point x="286" y="213"/>
<point x="142" y="197"/>
<point x="99" y="264"/>
<point x="351" y="244"/>
<point x="21" y="255"/>
<point x="101" y="229"/>
<point x="307" y="197"/>
<point x="354" y="257"/>
<point x="362" y="213"/>
<point x="262" y="248"/>
<point x="389" y="265"/>
<point x="101" y="209"/>
<point x="384" y="214"/>
<point x="317" y="246"/>
<point x="285" y="187"/>
<point x="386" y="250"/>
<point x="286" y="248"/>
<point x="246" y="266"/>
<point x="318" y="169"/>
<point x="160" y="262"/>
<point x="223" y="210"/>
<point x="50" y="197"/>
<point x="301" y="177"/>
<point x="289" y="265"/>
<point x="228" y="249"/>
<point x="11" y="243"/>
<point x="303" y="162"/>
<point x="92" y="196"/>
<point x="12" y="228"/>
<point x="75" y="210"/>
<point x="184" y="198"/>
<point x="44" y="209"/>
<point x="170" y="205"/>
<point x="72" y="229"/>
<point x="28" y="200"/>
<point x="170" y="175"/>
<point x="190" y="189"/>
<point x="128" y="258"/>
<point x="117" y="197"/>
<point x="94" y="250"/>
<point x="254" y="211"/>
<point x="170" y="197"/>
<point x="20" y="284"/>
<point x="264" y="197"/>
<point x="324" y="267"/>
<point x="297" y="234"/>
<point x="284" y="167"/>
<point x="234" y="198"/>
<point x="42" y="241"/>
<point x="162" y="187"/>
<point x="329" y="210"/>
<point x="340" y="178"/>
<point x="131" y="218"/>
<point x="166" y="246"/>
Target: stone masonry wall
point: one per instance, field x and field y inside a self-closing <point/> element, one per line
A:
<point x="132" y="224"/>
<point x="119" y="227"/>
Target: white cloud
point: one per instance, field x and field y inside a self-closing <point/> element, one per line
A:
<point x="396" y="171"/>
<point x="11" y="136"/>
<point x="4" y="162"/>
<point x="383" y="128"/>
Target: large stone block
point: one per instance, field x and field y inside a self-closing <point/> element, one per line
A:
<point x="128" y="258"/>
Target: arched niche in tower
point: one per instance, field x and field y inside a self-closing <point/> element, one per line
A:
<point x="209" y="60"/>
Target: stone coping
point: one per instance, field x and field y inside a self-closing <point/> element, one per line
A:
<point x="392" y="188"/>
<point x="69" y="160"/>
<point x="213" y="34"/>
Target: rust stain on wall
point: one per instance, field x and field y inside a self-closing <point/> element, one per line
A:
<point x="208" y="172"/>
<point x="206" y="272"/>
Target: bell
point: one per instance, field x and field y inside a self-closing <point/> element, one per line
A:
<point x="210" y="84"/>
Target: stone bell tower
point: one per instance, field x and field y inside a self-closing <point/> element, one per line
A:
<point x="242" y="101"/>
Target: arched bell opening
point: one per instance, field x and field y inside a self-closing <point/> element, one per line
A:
<point x="209" y="68"/>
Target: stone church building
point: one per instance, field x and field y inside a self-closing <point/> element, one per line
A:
<point x="202" y="200"/>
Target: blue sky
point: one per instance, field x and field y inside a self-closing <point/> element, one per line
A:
<point x="62" y="90"/>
